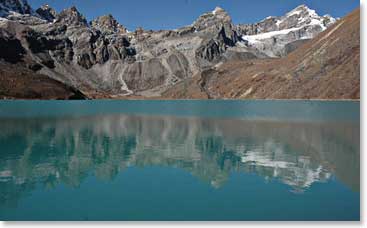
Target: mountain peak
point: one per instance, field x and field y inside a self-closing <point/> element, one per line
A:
<point x="216" y="17"/>
<point x="302" y="6"/>
<point x="47" y="12"/>
<point x="71" y="16"/>
<point x="218" y="10"/>
<point x="45" y="6"/>
<point x="303" y="15"/>
<point x="108" y="24"/>
<point x="302" y="10"/>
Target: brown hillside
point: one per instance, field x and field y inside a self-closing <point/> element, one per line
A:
<point x="18" y="82"/>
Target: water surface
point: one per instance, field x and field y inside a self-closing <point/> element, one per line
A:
<point x="179" y="160"/>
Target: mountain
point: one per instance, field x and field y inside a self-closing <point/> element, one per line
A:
<point x="273" y="34"/>
<point x="103" y="59"/>
<point x="326" y="67"/>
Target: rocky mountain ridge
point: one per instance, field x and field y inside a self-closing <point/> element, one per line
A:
<point x="326" y="67"/>
<point x="102" y="58"/>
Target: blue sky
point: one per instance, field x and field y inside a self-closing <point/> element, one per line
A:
<point x="170" y="14"/>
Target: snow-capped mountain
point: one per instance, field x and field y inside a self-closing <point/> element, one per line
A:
<point x="275" y="36"/>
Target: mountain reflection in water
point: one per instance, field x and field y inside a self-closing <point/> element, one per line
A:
<point x="67" y="150"/>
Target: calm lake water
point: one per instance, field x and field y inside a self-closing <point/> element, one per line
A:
<point x="179" y="160"/>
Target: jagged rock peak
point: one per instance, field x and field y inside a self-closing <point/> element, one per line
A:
<point x="47" y="12"/>
<point x="217" y="18"/>
<point x="17" y="6"/>
<point x="108" y="24"/>
<point x="71" y="16"/>
<point x="301" y="9"/>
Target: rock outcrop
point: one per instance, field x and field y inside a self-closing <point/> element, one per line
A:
<point x="71" y="17"/>
<point x="107" y="24"/>
<point x="47" y="13"/>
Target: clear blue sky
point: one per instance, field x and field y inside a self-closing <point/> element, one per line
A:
<point x="170" y="14"/>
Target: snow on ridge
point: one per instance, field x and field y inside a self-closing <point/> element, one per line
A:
<point x="302" y="8"/>
<point x="267" y="35"/>
<point x="252" y="39"/>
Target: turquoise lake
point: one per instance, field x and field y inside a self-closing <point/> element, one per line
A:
<point x="179" y="161"/>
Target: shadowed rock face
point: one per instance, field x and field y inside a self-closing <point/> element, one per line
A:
<point x="11" y="50"/>
<point x="102" y="57"/>
<point x="18" y="6"/>
<point x="47" y="13"/>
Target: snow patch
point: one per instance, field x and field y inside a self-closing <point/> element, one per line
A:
<point x="217" y="10"/>
<point x="267" y="35"/>
<point x="279" y="22"/>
